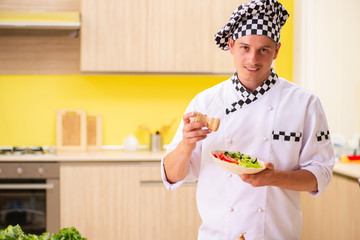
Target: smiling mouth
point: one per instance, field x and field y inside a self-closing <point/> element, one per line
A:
<point x="252" y="69"/>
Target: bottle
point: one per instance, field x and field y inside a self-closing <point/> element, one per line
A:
<point x="156" y="142"/>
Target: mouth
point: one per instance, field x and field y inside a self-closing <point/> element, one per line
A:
<point x="252" y="69"/>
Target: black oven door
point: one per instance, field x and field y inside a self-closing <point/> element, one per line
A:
<point x="24" y="202"/>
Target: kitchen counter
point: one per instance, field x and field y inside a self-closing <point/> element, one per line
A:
<point x="351" y="170"/>
<point x="89" y="156"/>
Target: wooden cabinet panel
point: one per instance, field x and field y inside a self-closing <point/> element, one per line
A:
<point x="166" y="214"/>
<point x="333" y="215"/>
<point x="39" y="51"/>
<point x="39" y="55"/>
<point x="113" y="35"/>
<point x="125" y="201"/>
<point x="179" y="36"/>
<point x="40" y="5"/>
<point x="100" y="200"/>
<point x="154" y="36"/>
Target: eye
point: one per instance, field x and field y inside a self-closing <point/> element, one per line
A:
<point x="263" y="50"/>
<point x="245" y="48"/>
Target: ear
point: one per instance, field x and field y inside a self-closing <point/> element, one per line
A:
<point x="277" y="50"/>
<point x="231" y="45"/>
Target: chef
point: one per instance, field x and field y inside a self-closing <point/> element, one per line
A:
<point x="264" y="116"/>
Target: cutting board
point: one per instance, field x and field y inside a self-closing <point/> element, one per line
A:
<point x="71" y="131"/>
<point x="94" y="132"/>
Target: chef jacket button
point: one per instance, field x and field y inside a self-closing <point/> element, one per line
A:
<point x="260" y="210"/>
<point x="229" y="141"/>
<point x="271" y="108"/>
<point x="265" y="139"/>
<point x="229" y="175"/>
<point x="231" y="209"/>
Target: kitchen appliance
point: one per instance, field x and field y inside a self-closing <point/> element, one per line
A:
<point x="19" y="150"/>
<point x="29" y="196"/>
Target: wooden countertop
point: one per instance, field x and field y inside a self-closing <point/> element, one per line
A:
<point x="89" y="156"/>
<point x="347" y="169"/>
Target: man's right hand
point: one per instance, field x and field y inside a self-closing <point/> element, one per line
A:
<point x="193" y="132"/>
<point x="176" y="163"/>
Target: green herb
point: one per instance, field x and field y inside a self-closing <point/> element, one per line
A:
<point x="67" y="234"/>
<point x="244" y="160"/>
<point x="15" y="233"/>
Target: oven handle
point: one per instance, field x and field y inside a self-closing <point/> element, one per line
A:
<point x="16" y="186"/>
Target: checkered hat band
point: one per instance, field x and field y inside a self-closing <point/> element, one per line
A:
<point x="287" y="136"/>
<point x="259" y="25"/>
<point x="323" y="135"/>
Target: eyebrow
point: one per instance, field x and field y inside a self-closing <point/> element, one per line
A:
<point x="245" y="44"/>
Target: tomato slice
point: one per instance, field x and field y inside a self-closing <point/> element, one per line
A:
<point x="217" y="155"/>
<point x="225" y="158"/>
<point x="230" y="160"/>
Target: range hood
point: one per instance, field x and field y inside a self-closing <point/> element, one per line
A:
<point x="40" y="20"/>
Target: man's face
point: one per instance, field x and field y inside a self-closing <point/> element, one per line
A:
<point x="253" y="56"/>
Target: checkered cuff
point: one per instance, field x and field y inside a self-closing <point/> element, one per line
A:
<point x="287" y="136"/>
<point x="323" y="135"/>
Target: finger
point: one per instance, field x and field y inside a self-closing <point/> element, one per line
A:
<point x="269" y="165"/>
<point x="202" y="133"/>
<point x="247" y="178"/>
<point x="195" y="135"/>
<point x="244" y="177"/>
<point x="194" y="139"/>
<point x="194" y="126"/>
<point x="187" y="116"/>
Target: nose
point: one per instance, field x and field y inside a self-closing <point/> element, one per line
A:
<point x="253" y="57"/>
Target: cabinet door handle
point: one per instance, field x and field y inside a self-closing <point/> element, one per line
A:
<point x="160" y="183"/>
<point x="151" y="183"/>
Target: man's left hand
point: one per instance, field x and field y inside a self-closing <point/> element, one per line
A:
<point x="262" y="178"/>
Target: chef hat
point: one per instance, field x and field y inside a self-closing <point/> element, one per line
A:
<point x="257" y="17"/>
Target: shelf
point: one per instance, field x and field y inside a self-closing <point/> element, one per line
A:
<point x="40" y="20"/>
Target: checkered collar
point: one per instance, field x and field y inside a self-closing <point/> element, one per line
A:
<point x="249" y="97"/>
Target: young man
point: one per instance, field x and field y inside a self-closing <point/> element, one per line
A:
<point x="261" y="115"/>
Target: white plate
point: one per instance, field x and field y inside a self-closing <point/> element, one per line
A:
<point x="233" y="168"/>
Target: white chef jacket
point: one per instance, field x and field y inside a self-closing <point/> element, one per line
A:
<point x="228" y="206"/>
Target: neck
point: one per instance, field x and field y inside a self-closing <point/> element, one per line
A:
<point x="251" y="86"/>
<point x="251" y="83"/>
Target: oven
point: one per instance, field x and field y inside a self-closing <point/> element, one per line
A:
<point x="29" y="196"/>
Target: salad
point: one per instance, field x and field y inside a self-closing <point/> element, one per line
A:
<point x="16" y="233"/>
<point x="238" y="158"/>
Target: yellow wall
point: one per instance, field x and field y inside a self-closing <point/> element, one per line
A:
<point x="284" y="61"/>
<point x="28" y="103"/>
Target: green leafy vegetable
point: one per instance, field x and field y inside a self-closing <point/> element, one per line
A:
<point x="244" y="160"/>
<point x="11" y="233"/>
<point x="15" y="233"/>
<point x="68" y="233"/>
